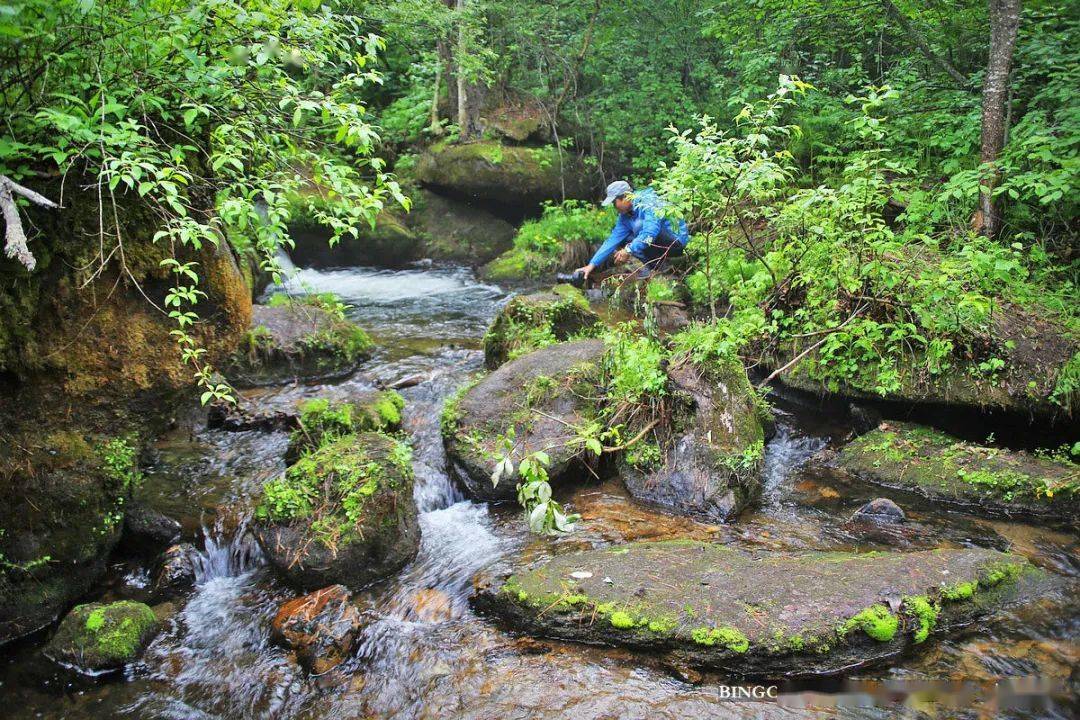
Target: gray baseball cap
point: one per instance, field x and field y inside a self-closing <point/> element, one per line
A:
<point x="615" y="189"/>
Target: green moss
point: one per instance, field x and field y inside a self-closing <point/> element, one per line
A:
<point x="959" y="591"/>
<point x="322" y="421"/>
<point x="876" y="621"/>
<point x="727" y="637"/>
<point x="663" y="625"/>
<point x="999" y="574"/>
<point x="100" y="636"/>
<point x="621" y="620"/>
<point x="530" y="322"/>
<point x="924" y="613"/>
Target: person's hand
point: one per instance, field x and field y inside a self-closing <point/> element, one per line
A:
<point x="586" y="271"/>
<point x="621" y="256"/>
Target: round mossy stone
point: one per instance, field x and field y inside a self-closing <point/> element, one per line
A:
<point x="99" y="637"/>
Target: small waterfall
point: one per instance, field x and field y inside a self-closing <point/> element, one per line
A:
<point x="288" y="269"/>
<point x="786" y="453"/>
<point x="229" y="550"/>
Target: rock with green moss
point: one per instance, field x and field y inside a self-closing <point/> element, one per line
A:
<point x="771" y="614"/>
<point x="489" y="171"/>
<point x="529" y="322"/>
<point x="946" y="469"/>
<point x="297" y="340"/>
<point x="322" y="420"/>
<point x="100" y="637"/>
<point x="64" y="493"/>
<point x="705" y="458"/>
<point x="537" y="399"/>
<point x="454" y="230"/>
<point x="343" y="513"/>
<point x="392" y="242"/>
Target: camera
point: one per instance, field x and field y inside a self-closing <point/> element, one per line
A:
<point x="577" y="279"/>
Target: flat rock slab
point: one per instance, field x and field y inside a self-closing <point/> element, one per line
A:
<point x="535" y="396"/>
<point x="758" y="614"/>
<point x="946" y="469"/>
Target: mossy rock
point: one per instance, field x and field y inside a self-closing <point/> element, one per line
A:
<point x="774" y="614"/>
<point x="390" y="243"/>
<point x="1039" y="366"/>
<point x="100" y="637"/>
<point x="453" y="230"/>
<point x="322" y="420"/>
<point x="706" y="458"/>
<point x="299" y="341"/>
<point x="343" y="513"/>
<point x="62" y="515"/>
<point x="540" y="397"/>
<point x="948" y="470"/>
<point x="529" y="322"/>
<point x="488" y="171"/>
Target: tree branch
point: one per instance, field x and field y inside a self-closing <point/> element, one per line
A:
<point x="920" y="42"/>
<point x="15" y="246"/>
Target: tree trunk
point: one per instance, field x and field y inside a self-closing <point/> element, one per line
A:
<point x="468" y="110"/>
<point x="434" y="127"/>
<point x="1004" y="23"/>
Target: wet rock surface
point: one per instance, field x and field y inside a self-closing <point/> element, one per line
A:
<point x="880" y="510"/>
<point x="391" y="243"/>
<point x="297" y="341"/>
<point x="174" y="572"/>
<point x="341" y="514"/>
<point x="454" y="230"/>
<point x="146" y="529"/>
<point x="493" y="172"/>
<point x="97" y="637"/>
<point x="943" y="468"/>
<point x="528" y="321"/>
<point x="779" y="614"/>
<point x="321" y="628"/>
<point x="541" y="419"/>
<point x="708" y="457"/>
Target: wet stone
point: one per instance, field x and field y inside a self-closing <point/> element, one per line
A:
<point x="756" y="613"/>
<point x="146" y="529"/>
<point x="880" y="510"/>
<point x="321" y="628"/>
<point x="174" y="572"/>
<point x="97" y="637"/>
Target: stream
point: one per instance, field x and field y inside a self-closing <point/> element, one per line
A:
<point x="426" y="654"/>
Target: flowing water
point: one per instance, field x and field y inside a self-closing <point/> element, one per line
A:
<point x="425" y="654"/>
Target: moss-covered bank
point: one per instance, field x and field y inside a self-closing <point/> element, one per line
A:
<point x="529" y="322"/>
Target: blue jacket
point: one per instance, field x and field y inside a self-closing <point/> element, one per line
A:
<point x="640" y="226"/>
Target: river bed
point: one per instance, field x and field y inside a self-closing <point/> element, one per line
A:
<point x="426" y="654"/>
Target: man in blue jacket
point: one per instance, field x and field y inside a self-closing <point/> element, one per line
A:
<point x="639" y="231"/>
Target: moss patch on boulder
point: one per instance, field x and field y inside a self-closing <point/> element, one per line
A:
<point x="98" y="637"/>
<point x="529" y="322"/>
<point x="538" y="398"/>
<point x="769" y="614"/>
<point x="492" y="172"/>
<point x="343" y="513"/>
<point x="946" y="469"/>
<point x="301" y="339"/>
<point x="322" y="420"/>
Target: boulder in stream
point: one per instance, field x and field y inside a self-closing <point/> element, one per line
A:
<point x="880" y="510"/>
<point x="538" y="398"/>
<point x="321" y="628"/>
<point x="297" y="340"/>
<point x="456" y="231"/>
<point x="774" y="614"/>
<point x="528" y="322"/>
<point x="490" y="171"/>
<point x="343" y="513"/>
<point x="147" y="530"/>
<point x="706" y="458"/>
<point x="174" y="572"/>
<point x="97" y="637"/>
<point x="390" y="243"/>
<point x="948" y="470"/>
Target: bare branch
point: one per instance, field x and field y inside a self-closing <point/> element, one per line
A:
<point x="15" y="247"/>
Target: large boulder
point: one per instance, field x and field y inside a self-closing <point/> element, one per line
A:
<point x="529" y="322"/>
<point x="771" y="614"/>
<point x="321" y="628"/>
<point x="175" y="572"/>
<point x="391" y="242"/>
<point x="343" y="513"/>
<point x="706" y="458"/>
<point x="1039" y="374"/>
<point x="488" y="171"/>
<point x="64" y="496"/>
<point x="297" y="340"/>
<point x="97" y="638"/>
<point x="453" y="230"/>
<point x="538" y="398"/>
<point x="948" y="470"/>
